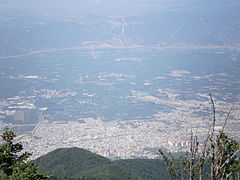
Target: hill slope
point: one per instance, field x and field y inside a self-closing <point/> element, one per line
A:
<point x="147" y="169"/>
<point x="78" y="164"/>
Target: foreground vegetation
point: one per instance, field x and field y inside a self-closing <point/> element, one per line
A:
<point x="80" y="164"/>
<point x="13" y="162"/>
<point x="216" y="158"/>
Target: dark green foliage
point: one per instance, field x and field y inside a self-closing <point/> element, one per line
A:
<point x="3" y="176"/>
<point x="80" y="164"/>
<point x="9" y="152"/>
<point x="109" y="172"/>
<point x="228" y="162"/>
<point x="13" y="163"/>
<point x="172" y="164"/>
<point x="26" y="171"/>
<point x="69" y="161"/>
<point x="146" y="169"/>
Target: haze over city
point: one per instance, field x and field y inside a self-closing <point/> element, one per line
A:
<point x="119" y="78"/>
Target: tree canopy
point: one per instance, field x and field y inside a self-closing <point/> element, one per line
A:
<point x="13" y="161"/>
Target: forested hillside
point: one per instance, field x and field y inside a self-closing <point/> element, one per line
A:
<point x="80" y="164"/>
<point x="147" y="169"/>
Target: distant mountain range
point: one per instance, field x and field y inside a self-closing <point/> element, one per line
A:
<point x="105" y="24"/>
<point x="79" y="164"/>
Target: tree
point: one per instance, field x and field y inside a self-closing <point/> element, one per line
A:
<point x="13" y="162"/>
<point x="218" y="152"/>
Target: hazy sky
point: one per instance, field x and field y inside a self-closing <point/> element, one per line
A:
<point x="86" y="6"/>
<point x="117" y="6"/>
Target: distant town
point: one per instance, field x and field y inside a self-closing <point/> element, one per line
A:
<point x="118" y="139"/>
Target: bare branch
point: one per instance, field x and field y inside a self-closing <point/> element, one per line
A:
<point x="214" y="114"/>
<point x="225" y="122"/>
<point x="229" y="159"/>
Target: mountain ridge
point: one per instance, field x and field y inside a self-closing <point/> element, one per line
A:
<point x="78" y="164"/>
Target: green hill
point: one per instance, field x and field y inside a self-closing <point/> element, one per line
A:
<point x="109" y="172"/>
<point x="147" y="169"/>
<point x="80" y="164"/>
